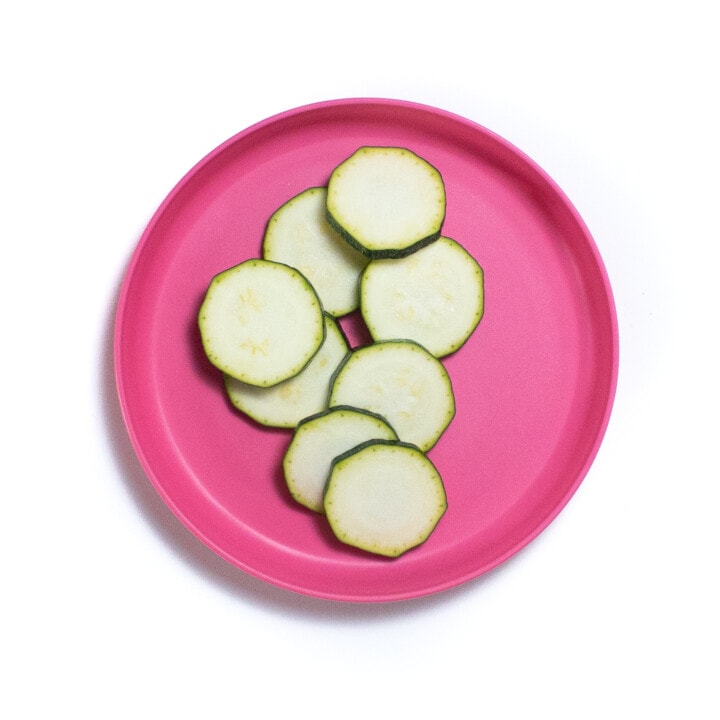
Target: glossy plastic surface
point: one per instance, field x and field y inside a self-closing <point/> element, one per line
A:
<point x="534" y="385"/>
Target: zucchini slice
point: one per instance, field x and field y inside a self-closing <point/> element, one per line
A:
<point x="298" y="234"/>
<point x="261" y="322"/>
<point x="401" y="381"/>
<point x="434" y="296"/>
<point x="384" y="497"/>
<point x="386" y="201"/>
<point x="318" y="440"/>
<point x="285" y="404"/>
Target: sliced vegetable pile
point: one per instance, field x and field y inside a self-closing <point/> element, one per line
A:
<point x="362" y="418"/>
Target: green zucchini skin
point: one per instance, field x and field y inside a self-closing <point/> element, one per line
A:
<point x="368" y="443"/>
<point x="401" y="381"/>
<point x="399" y="504"/>
<point x="317" y="440"/>
<point x="387" y="254"/>
<point x="354" y="207"/>
<point x="436" y="297"/>
<point x="340" y="408"/>
<point x="248" y="322"/>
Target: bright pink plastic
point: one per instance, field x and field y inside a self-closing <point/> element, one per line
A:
<point x="534" y="384"/>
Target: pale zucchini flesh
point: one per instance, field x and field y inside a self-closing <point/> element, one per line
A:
<point x="434" y="296"/>
<point x="386" y="201"/>
<point x="299" y="234"/>
<point x="384" y="497"/>
<point x="261" y="322"/>
<point x="363" y="419"/>
<point x="401" y="381"/>
<point x="287" y="403"/>
<point x="318" y="440"/>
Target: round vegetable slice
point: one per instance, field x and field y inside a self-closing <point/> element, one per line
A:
<point x="384" y="497"/>
<point x="386" y="201"/>
<point x="434" y="296"/>
<point x="298" y="234"/>
<point x="261" y="322"/>
<point x="285" y="404"/>
<point x="318" y="440"/>
<point x="401" y="381"/>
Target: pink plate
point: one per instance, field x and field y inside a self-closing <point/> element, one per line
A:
<point x="534" y="384"/>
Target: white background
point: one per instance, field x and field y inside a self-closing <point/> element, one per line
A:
<point x="109" y="608"/>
